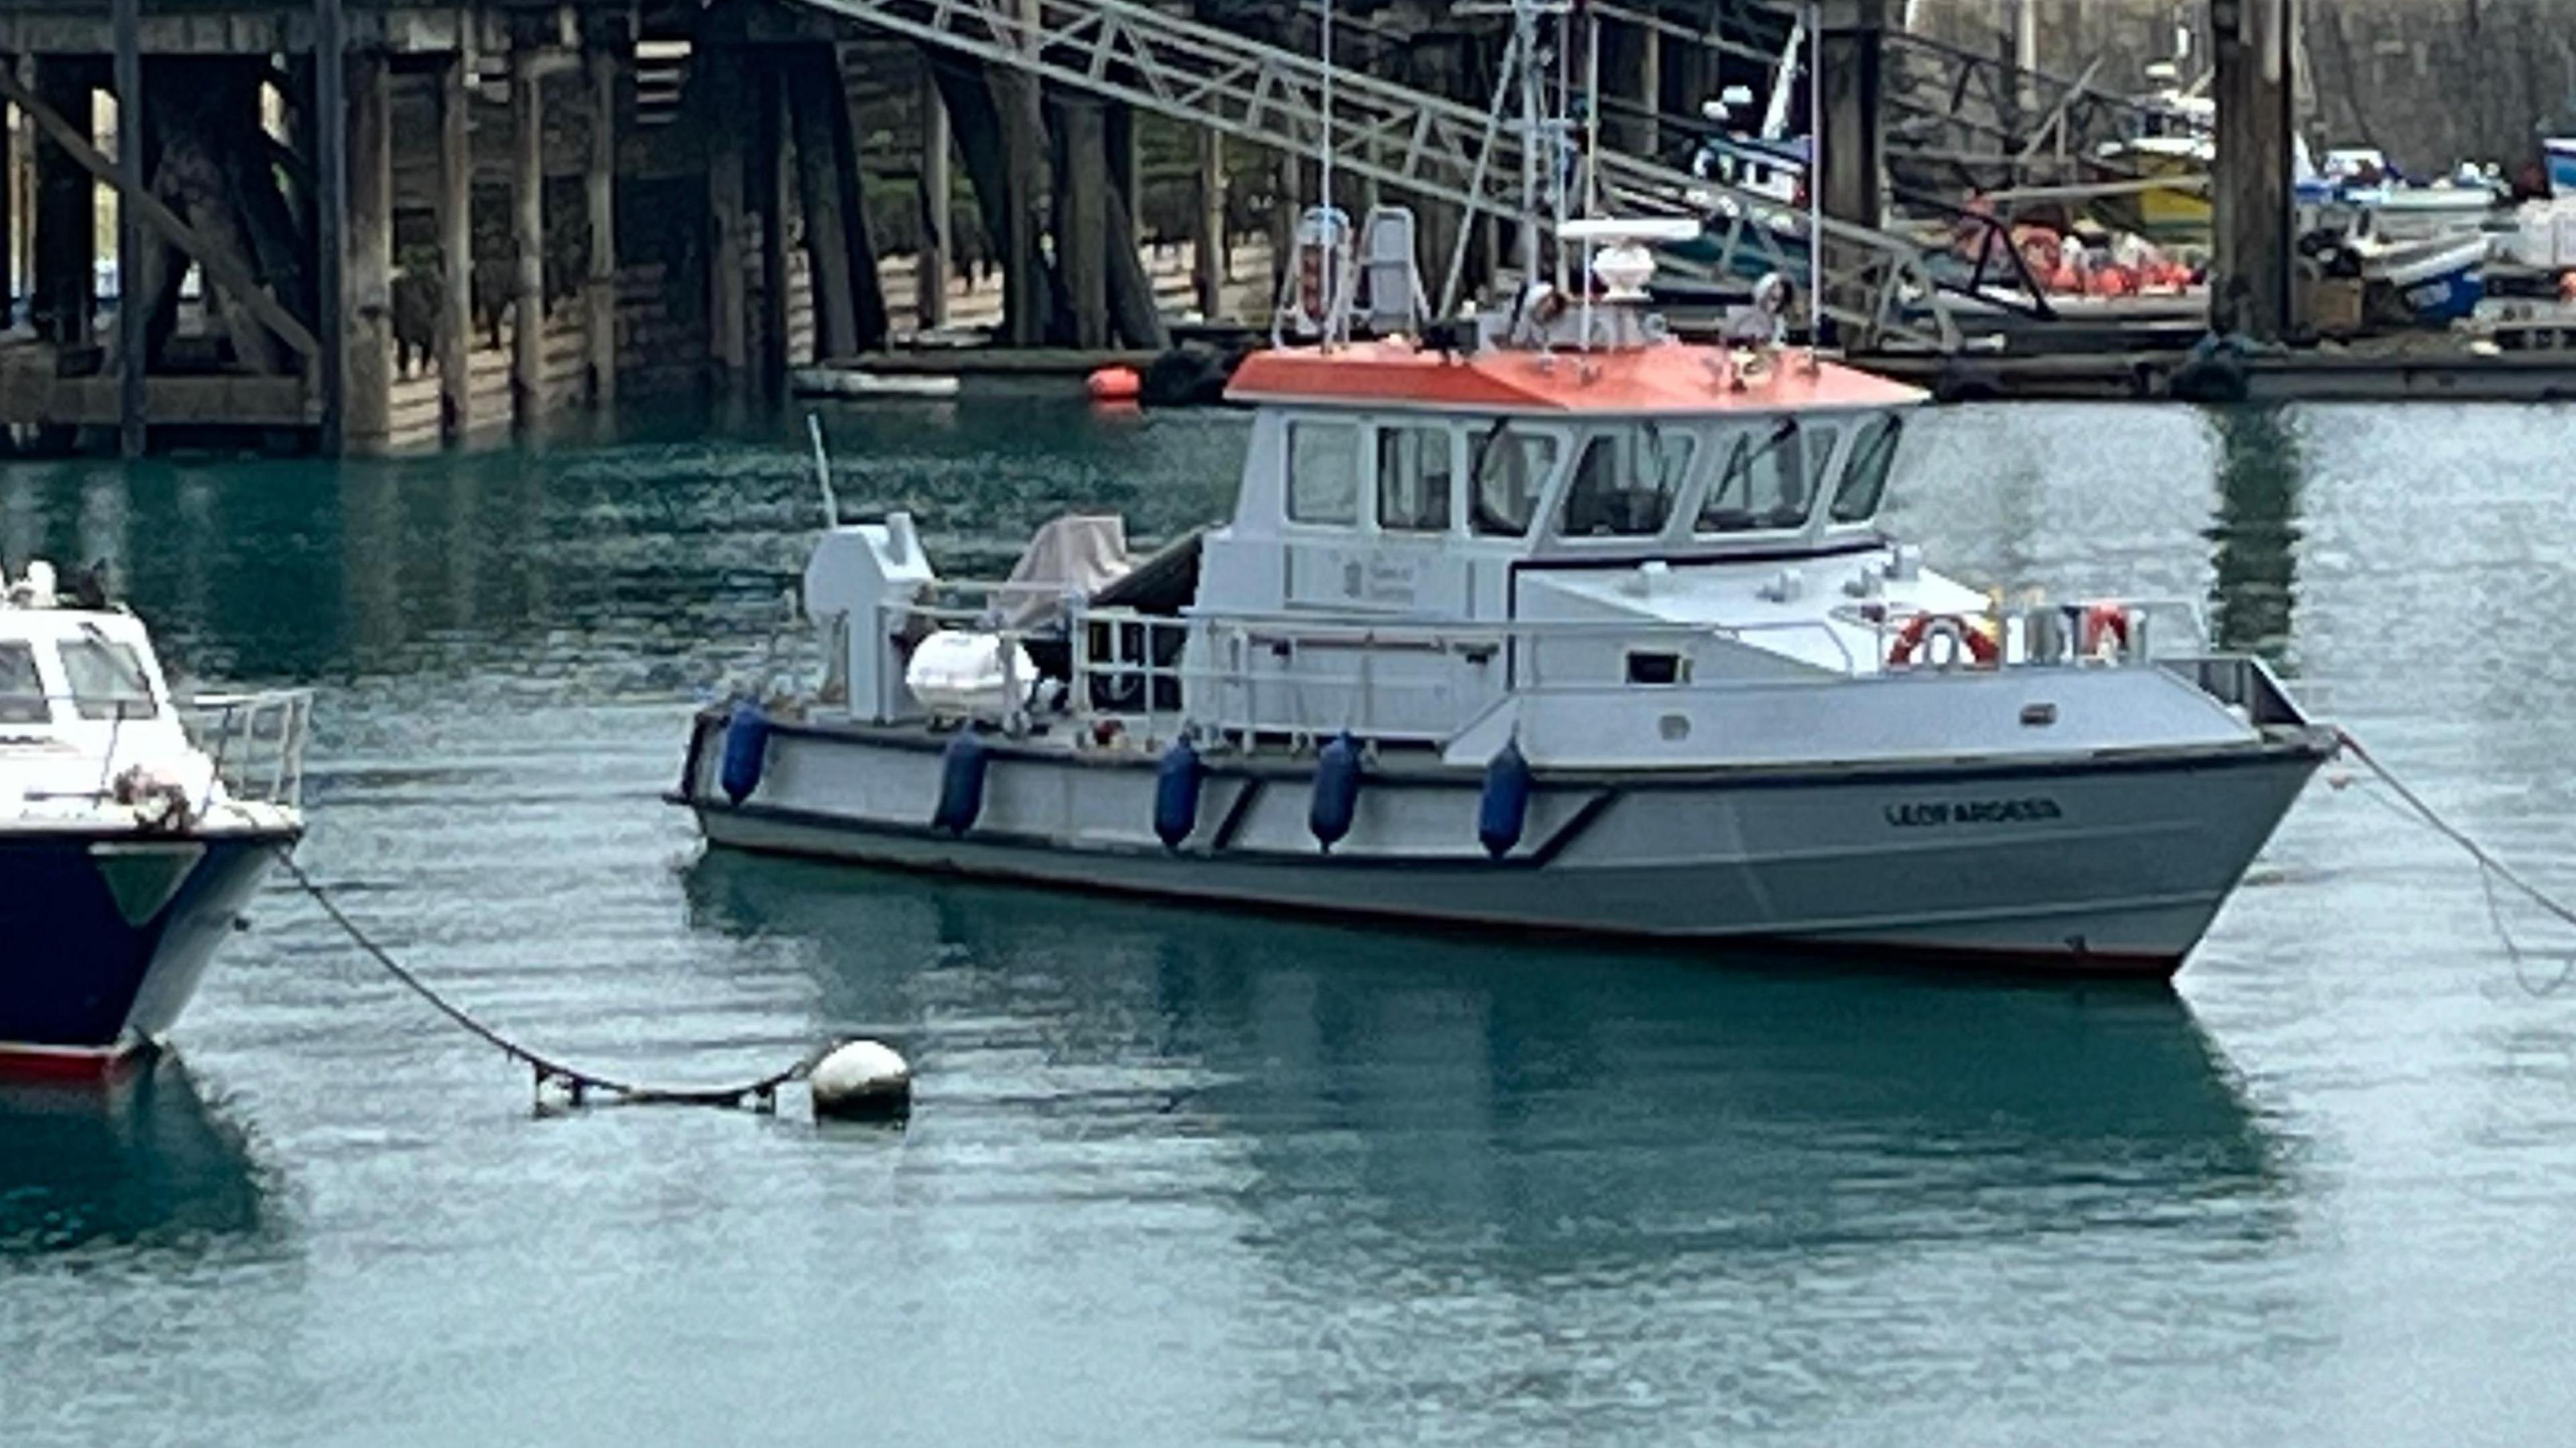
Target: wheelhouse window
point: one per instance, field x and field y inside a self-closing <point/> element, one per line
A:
<point x="1414" y="473"/>
<point x="1625" y="484"/>
<point x="22" y="693"/>
<point x="1761" y="482"/>
<point x="1510" y="470"/>
<point x="1864" y="481"/>
<point x="107" y="679"/>
<point x="1323" y="472"/>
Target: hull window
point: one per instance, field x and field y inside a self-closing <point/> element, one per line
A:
<point x="1658" y="668"/>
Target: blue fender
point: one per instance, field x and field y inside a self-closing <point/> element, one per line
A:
<point x="746" y="750"/>
<point x="961" y="783"/>
<point x="1337" y="790"/>
<point x="1176" y="794"/>
<point x="1503" y="811"/>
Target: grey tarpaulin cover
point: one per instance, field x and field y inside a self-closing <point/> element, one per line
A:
<point x="1076" y="553"/>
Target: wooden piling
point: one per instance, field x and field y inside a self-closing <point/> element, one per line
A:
<point x="1207" y="261"/>
<point x="728" y="298"/>
<point x="1650" y="90"/>
<point x="827" y="253"/>
<point x="2254" y="45"/>
<point x="599" y="201"/>
<point x="930" y="276"/>
<point x="133" y="359"/>
<point x="368" y="338"/>
<point x="1118" y="143"/>
<point x="66" y="237"/>
<point x="1134" y="313"/>
<point x="1026" y="298"/>
<point x="528" y="238"/>
<point x="16" y="218"/>
<point x="1082" y="197"/>
<point x="1853" y="32"/>
<point x="1850" y="150"/>
<point x="773" y="180"/>
<point x="455" y="209"/>
<point x="330" y="215"/>
<point x="849" y="301"/>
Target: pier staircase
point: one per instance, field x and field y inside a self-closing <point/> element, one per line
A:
<point x="1876" y="286"/>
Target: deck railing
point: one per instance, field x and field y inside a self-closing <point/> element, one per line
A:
<point x="256" y="741"/>
<point x="1149" y="676"/>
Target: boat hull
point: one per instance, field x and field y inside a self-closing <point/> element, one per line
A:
<point x="2099" y="867"/>
<point x="108" y="935"/>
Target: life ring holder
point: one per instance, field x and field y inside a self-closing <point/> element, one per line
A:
<point x="1920" y="630"/>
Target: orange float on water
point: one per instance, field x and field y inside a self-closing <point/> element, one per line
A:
<point x="1114" y="384"/>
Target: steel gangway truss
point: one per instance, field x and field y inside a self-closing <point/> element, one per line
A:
<point x="1876" y="287"/>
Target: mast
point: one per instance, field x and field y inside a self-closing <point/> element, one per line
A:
<point x="1815" y="179"/>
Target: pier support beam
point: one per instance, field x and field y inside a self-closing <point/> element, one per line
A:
<point x="1027" y="298"/>
<point x="602" y="65"/>
<point x="841" y="258"/>
<point x="2255" y="42"/>
<point x="1082" y="198"/>
<point x="1132" y="308"/>
<point x="329" y="123"/>
<point x="772" y="181"/>
<point x="66" y="229"/>
<point x="1118" y="141"/>
<point x="1208" y="249"/>
<point x="930" y="278"/>
<point x="369" y="338"/>
<point x="527" y="238"/>
<point x="728" y="300"/>
<point x="455" y="207"/>
<point x="133" y="352"/>
<point x="1649" y="138"/>
<point x="1852" y="36"/>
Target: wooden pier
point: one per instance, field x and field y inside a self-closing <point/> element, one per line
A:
<point x="362" y="225"/>
<point x="368" y="224"/>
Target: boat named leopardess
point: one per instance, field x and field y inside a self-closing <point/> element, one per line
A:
<point x="1553" y="624"/>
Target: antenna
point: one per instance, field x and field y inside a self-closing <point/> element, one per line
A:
<point x="1333" y="321"/>
<point x="823" y="471"/>
<point x="1815" y="179"/>
<point x="1591" y="158"/>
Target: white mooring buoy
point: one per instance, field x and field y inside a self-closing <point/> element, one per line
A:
<point x="861" y="1081"/>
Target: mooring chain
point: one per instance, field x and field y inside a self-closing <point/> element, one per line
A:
<point x="761" y="1094"/>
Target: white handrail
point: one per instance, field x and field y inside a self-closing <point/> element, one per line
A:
<point x="1154" y="675"/>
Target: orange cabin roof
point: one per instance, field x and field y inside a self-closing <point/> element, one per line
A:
<point x="1666" y="378"/>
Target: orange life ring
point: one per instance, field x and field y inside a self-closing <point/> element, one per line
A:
<point x="1924" y="627"/>
<point x="2105" y="621"/>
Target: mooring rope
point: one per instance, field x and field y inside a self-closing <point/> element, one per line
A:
<point x="760" y="1095"/>
<point x="2490" y="870"/>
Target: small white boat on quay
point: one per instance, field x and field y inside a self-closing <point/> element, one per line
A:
<point x="1560" y="626"/>
<point x="133" y="827"/>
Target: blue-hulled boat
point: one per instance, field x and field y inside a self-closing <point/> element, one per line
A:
<point x="133" y="828"/>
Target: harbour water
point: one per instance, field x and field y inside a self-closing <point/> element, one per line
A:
<point x="1181" y="1178"/>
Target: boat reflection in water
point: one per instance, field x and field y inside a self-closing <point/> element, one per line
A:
<point x="1469" y="1097"/>
<point x="139" y="1161"/>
